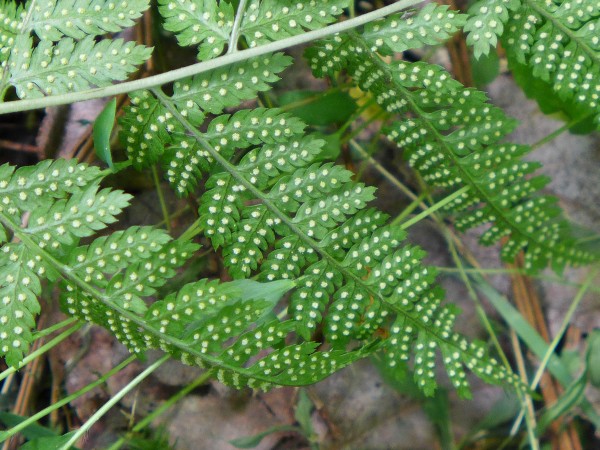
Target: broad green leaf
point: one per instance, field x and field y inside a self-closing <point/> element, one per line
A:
<point x="103" y="130"/>
<point x="593" y="358"/>
<point x="568" y="400"/>
<point x="319" y="108"/>
<point x="485" y="69"/>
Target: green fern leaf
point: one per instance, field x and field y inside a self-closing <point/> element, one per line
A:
<point x="282" y="231"/>
<point x="451" y="138"/>
<point x="229" y="86"/>
<point x="560" y="44"/>
<point x="203" y="23"/>
<point x="55" y="69"/>
<point x="77" y="19"/>
<point x="428" y="26"/>
<point x="280" y="213"/>
<point x="487" y="19"/>
<point x="150" y="130"/>
<point x="11" y="18"/>
<point x="46" y="208"/>
<point x="271" y="20"/>
<point x="19" y="289"/>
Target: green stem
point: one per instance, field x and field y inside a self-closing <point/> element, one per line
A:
<point x="537" y="276"/>
<point x="53" y="328"/>
<point x="193" y="230"/>
<point x="383" y="171"/>
<point x="478" y="306"/>
<point x="433" y="208"/>
<point x="409" y="209"/>
<point x="113" y="401"/>
<point x="166" y="405"/>
<point x="174" y="75"/>
<point x="46" y="347"/>
<point x="353" y="119"/>
<point x="235" y="32"/>
<point x="161" y="199"/>
<point x="526" y="401"/>
<point x="44" y="412"/>
<point x="552" y="135"/>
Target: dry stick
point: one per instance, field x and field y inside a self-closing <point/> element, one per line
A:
<point x="528" y="303"/>
<point x="459" y="54"/>
<point x="16" y="146"/>
<point x="530" y="416"/>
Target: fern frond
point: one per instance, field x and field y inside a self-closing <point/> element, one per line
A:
<point x="281" y="214"/>
<point x="271" y="20"/>
<point x="203" y="23"/>
<point x="206" y="323"/>
<point x="77" y="19"/>
<point x="46" y="208"/>
<point x="451" y="137"/>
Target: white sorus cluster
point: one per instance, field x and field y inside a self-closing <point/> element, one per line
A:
<point x="266" y="21"/>
<point x="564" y="55"/>
<point x="53" y="19"/>
<point x="429" y="25"/>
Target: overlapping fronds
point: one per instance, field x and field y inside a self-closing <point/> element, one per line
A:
<point x="451" y="135"/>
<point x="281" y="213"/>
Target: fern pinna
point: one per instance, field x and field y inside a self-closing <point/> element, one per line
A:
<point x="452" y="135"/>
<point x="559" y="41"/>
<point x="280" y="212"/>
<point x="51" y="47"/>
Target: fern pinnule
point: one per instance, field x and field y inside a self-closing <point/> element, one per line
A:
<point x="486" y="23"/>
<point x="412" y="29"/>
<point x="51" y="69"/>
<point x="151" y="130"/>
<point x="203" y="23"/>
